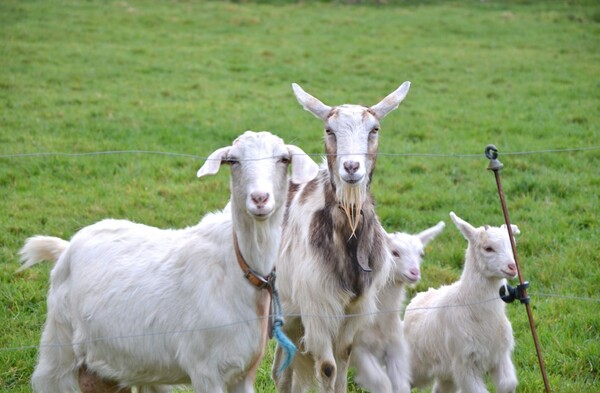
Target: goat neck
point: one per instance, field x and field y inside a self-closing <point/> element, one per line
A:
<point x="258" y="240"/>
<point x="476" y="285"/>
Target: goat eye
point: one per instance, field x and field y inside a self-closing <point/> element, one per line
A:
<point x="231" y="161"/>
<point x="395" y="254"/>
<point x="375" y="130"/>
<point x="285" y="160"/>
<point x="489" y="249"/>
<point x="329" y="131"/>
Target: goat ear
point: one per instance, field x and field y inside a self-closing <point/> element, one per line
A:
<point x="429" y="234"/>
<point x="304" y="169"/>
<point x="464" y="227"/>
<point x="391" y="102"/>
<point x="515" y="229"/>
<point x="310" y="103"/>
<point x="213" y="162"/>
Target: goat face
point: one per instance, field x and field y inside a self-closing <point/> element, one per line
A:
<point x="351" y="143"/>
<point x="408" y="252"/>
<point x="351" y="134"/>
<point x="490" y="248"/>
<point x="259" y="166"/>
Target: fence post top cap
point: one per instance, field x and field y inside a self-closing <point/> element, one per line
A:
<point x="491" y="152"/>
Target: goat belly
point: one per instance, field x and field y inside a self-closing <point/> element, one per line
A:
<point x="121" y="337"/>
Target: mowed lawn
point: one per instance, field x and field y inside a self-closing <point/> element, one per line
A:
<point x="107" y="109"/>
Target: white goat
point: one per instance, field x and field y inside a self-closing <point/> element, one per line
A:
<point x="380" y="352"/>
<point x="460" y="332"/>
<point x="141" y="306"/>
<point x="333" y="257"/>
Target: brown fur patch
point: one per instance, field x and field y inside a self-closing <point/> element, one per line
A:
<point x="90" y="382"/>
<point x="292" y="190"/>
<point x="331" y="154"/>
<point x="308" y="190"/>
<point x="263" y="302"/>
<point x="331" y="235"/>
<point x="372" y="156"/>
<point x="334" y="112"/>
<point x="368" y="112"/>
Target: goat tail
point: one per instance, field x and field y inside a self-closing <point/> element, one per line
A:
<point x="41" y="248"/>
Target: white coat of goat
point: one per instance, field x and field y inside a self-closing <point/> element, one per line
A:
<point x="333" y="258"/>
<point x="458" y="333"/>
<point x="380" y="352"/>
<point x="145" y="306"/>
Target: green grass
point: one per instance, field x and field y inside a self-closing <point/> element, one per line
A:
<point x="187" y="77"/>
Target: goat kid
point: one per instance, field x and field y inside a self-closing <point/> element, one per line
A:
<point x="143" y="306"/>
<point x="380" y="352"/>
<point x="460" y="332"/>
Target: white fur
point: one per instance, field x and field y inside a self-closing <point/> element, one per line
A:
<point x="147" y="306"/>
<point x="380" y="352"/>
<point x="313" y="300"/>
<point x="41" y="248"/>
<point x="460" y="332"/>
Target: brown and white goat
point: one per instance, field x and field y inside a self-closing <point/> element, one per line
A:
<point x="333" y="257"/>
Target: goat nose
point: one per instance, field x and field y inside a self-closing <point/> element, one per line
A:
<point x="415" y="272"/>
<point x="351" y="167"/>
<point x="512" y="267"/>
<point x="259" y="198"/>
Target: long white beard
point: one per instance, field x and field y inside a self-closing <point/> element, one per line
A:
<point x="351" y="199"/>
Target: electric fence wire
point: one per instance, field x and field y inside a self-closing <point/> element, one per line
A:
<point x="173" y="154"/>
<point x="245" y="322"/>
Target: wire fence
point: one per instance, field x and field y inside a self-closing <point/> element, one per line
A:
<point x="243" y="323"/>
<point x="345" y="316"/>
<point x="174" y="154"/>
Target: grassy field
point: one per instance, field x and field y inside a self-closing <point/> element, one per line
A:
<point x="186" y="77"/>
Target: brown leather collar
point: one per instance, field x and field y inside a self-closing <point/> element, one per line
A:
<point x="256" y="279"/>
